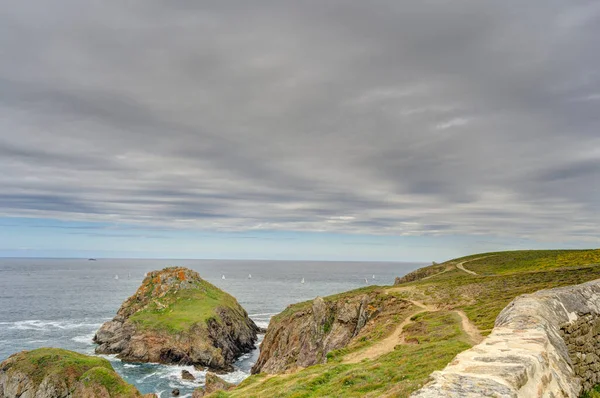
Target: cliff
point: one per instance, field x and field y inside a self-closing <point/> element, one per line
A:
<point x="177" y="317"/>
<point x="305" y="333"/>
<point x="52" y="373"/>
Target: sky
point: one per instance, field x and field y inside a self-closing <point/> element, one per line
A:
<point x="337" y="130"/>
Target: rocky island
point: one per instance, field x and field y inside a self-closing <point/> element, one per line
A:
<point x="53" y="372"/>
<point x="177" y="317"/>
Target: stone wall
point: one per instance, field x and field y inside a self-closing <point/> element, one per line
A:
<point x="582" y="338"/>
<point x="544" y="344"/>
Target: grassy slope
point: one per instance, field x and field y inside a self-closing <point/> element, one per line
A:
<point x="398" y="372"/>
<point x="92" y="371"/>
<point x="502" y="277"/>
<point x="178" y="312"/>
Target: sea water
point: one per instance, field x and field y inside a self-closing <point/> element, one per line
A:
<point x="62" y="302"/>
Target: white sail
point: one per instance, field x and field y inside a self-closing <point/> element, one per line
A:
<point x="116" y="277"/>
<point x="302" y="281"/>
<point x="222" y="276"/>
<point x="249" y="276"/>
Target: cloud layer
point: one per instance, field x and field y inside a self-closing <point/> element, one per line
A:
<point x="384" y="117"/>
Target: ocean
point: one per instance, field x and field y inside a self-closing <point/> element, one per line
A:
<point x="62" y="302"/>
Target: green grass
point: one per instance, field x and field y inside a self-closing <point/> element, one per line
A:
<point x="399" y="372"/>
<point x="115" y="386"/>
<point x="436" y="336"/>
<point x="533" y="261"/>
<point x="180" y="311"/>
<point x="43" y="362"/>
<point x="593" y="393"/>
<point x="482" y="297"/>
<point x="93" y="372"/>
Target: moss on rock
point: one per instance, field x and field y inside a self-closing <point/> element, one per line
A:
<point x="177" y="317"/>
<point x="54" y="372"/>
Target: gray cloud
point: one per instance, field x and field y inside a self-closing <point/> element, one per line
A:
<point x="385" y="117"/>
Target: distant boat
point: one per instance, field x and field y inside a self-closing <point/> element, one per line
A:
<point x="366" y="281"/>
<point x="373" y="276"/>
<point x="116" y="277"/>
<point x="145" y="274"/>
<point x="302" y="281"/>
<point x="249" y="276"/>
<point x="91" y="259"/>
<point x="222" y="276"/>
<point x="128" y="275"/>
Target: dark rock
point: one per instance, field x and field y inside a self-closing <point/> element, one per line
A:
<point x="185" y="375"/>
<point x="175" y="392"/>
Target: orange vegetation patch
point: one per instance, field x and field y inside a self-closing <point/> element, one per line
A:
<point x="181" y="275"/>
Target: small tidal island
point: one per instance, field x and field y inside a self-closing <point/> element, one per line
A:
<point x="54" y="372"/>
<point x="177" y="317"/>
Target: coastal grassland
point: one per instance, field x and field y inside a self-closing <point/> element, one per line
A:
<point x="483" y="296"/>
<point x="532" y="261"/>
<point x="179" y="311"/>
<point x="433" y="337"/>
<point x="43" y="362"/>
<point x="116" y="387"/>
<point x="76" y="369"/>
<point x="396" y="373"/>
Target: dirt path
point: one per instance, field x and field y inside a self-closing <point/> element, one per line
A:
<point x="469" y="328"/>
<point x="387" y="345"/>
<point x="397" y="336"/>
<point x="462" y="268"/>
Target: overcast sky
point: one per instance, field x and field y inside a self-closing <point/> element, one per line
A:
<point x="399" y="124"/>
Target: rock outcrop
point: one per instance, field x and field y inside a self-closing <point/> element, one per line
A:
<point x="213" y="383"/>
<point x="177" y="317"/>
<point x="304" y="333"/>
<point x="544" y="344"/>
<point x="57" y="373"/>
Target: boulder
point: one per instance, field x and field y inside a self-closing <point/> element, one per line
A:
<point x="53" y="372"/>
<point x="185" y="375"/>
<point x="212" y="384"/>
<point x="177" y="317"/>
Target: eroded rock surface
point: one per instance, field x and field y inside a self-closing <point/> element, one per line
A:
<point x="304" y="333"/>
<point x="57" y="373"/>
<point x="177" y="317"/>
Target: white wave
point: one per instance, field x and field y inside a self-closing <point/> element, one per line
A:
<point x="264" y="314"/>
<point x="36" y="324"/>
<point x="234" y="377"/>
<point x="84" y="338"/>
<point x="262" y="324"/>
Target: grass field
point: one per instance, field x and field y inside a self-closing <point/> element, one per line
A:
<point x="436" y="336"/>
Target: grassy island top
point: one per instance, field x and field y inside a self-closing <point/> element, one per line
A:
<point x="175" y="299"/>
<point x="452" y="300"/>
<point x="71" y="366"/>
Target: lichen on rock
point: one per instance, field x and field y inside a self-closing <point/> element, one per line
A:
<point x="177" y="317"/>
<point x="53" y="372"/>
<point x="303" y="334"/>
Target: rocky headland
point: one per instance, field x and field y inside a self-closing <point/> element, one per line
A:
<point x="57" y="373"/>
<point x="177" y="317"/>
<point x="303" y="334"/>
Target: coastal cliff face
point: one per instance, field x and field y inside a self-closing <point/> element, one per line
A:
<point x="177" y="317"/>
<point x="304" y="333"/>
<point x="57" y="373"/>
